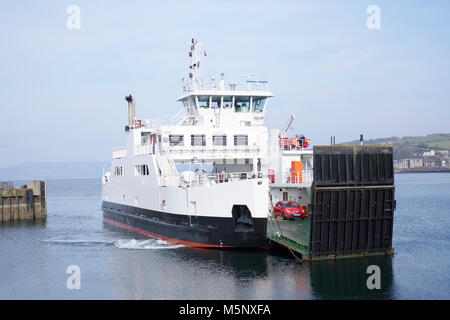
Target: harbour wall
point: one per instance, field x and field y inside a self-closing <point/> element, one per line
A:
<point x="28" y="202"/>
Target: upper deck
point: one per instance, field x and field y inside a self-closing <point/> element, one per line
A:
<point x="249" y="87"/>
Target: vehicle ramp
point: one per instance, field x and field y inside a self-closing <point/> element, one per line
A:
<point x="351" y="212"/>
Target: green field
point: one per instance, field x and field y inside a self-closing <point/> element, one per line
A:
<point x="410" y="147"/>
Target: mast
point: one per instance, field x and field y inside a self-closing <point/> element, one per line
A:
<point x="195" y="54"/>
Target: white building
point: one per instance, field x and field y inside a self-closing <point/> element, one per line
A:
<point x="429" y="153"/>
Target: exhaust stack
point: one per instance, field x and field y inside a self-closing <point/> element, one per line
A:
<point x="131" y="110"/>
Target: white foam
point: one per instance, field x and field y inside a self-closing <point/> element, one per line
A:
<point x="147" y="244"/>
<point x="142" y="244"/>
<point x="79" y="242"/>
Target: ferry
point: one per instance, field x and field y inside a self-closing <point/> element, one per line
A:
<point x="210" y="175"/>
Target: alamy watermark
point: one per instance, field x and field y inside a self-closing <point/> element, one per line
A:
<point x="74" y="280"/>
<point x="374" y="280"/>
<point x="74" y="20"/>
<point x="374" y="20"/>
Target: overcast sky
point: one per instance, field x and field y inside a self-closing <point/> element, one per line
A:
<point x="63" y="90"/>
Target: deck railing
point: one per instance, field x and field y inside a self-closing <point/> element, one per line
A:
<point x="216" y="151"/>
<point x="199" y="178"/>
<point x="249" y="85"/>
<point x="174" y="120"/>
<point x="199" y="151"/>
<point x="119" y="152"/>
<point x="305" y="176"/>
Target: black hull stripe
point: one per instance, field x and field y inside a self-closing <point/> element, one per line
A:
<point x="197" y="231"/>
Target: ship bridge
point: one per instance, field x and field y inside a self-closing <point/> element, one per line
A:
<point x="219" y="103"/>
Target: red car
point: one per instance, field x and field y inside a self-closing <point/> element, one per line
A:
<point x="289" y="210"/>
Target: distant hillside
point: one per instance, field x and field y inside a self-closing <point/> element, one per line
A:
<point x="410" y="147"/>
<point x="52" y="170"/>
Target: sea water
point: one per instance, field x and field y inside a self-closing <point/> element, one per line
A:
<point x="35" y="257"/>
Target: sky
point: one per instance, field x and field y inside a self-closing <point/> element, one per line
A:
<point x="63" y="89"/>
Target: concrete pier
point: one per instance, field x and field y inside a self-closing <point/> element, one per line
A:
<point x="28" y="202"/>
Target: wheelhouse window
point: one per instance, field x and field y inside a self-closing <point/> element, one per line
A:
<point x="258" y="104"/>
<point x="216" y="102"/>
<point x="220" y="140"/>
<point x="241" y="140"/>
<point x="203" y="101"/>
<point x="189" y="103"/>
<point x="198" y="140"/>
<point x="176" y="140"/>
<point x="242" y="104"/>
<point x="227" y="102"/>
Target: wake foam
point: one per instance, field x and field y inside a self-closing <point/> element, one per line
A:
<point x="147" y="244"/>
<point x="136" y="244"/>
<point x="79" y="242"/>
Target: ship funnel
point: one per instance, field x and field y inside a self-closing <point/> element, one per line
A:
<point x="131" y="110"/>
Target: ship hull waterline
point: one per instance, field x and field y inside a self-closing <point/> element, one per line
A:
<point x="176" y="229"/>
